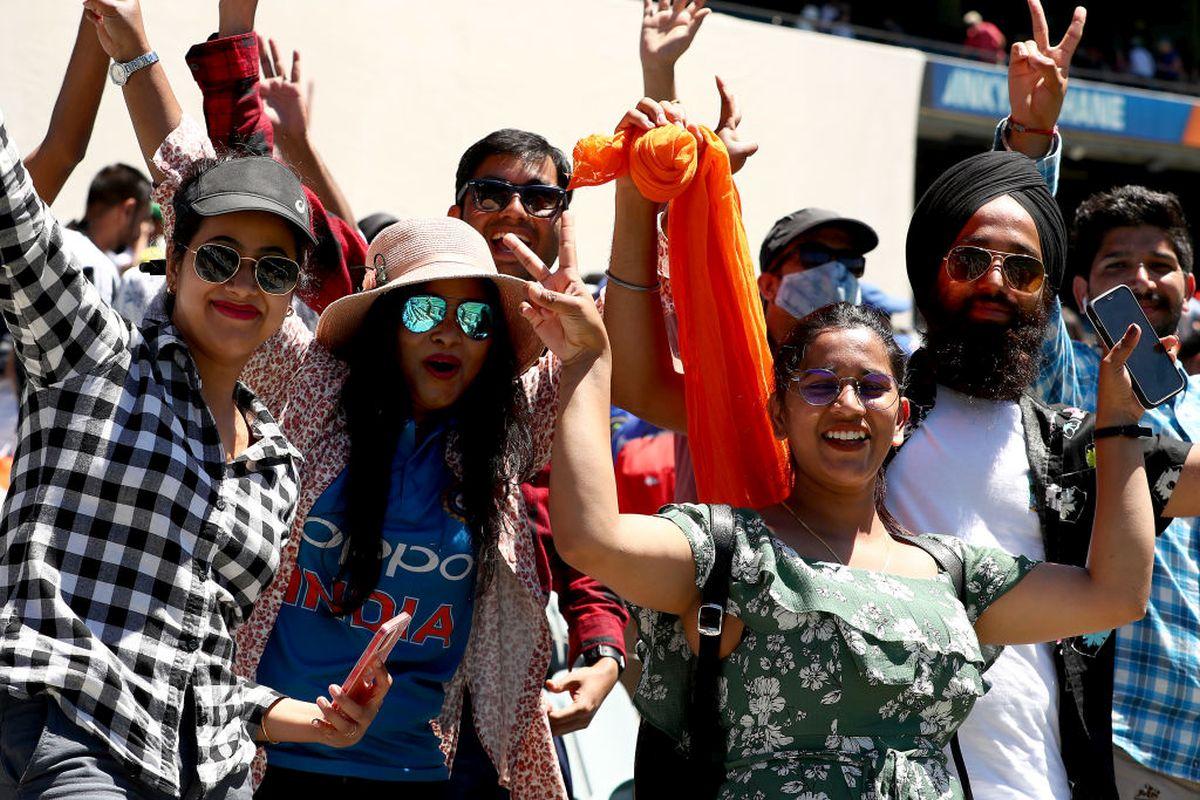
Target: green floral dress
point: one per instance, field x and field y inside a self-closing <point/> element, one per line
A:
<point x="847" y="683"/>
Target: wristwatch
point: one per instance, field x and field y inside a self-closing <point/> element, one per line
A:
<point x="1132" y="431"/>
<point x="593" y="654"/>
<point x="119" y="72"/>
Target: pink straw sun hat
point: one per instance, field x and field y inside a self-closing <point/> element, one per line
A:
<point x="416" y="251"/>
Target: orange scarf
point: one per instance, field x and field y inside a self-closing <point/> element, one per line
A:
<point x="722" y="333"/>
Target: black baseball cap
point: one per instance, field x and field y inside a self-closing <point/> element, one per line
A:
<point x="255" y="183"/>
<point x="806" y="219"/>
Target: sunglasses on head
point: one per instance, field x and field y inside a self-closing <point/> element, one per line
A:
<point x="820" y="387"/>
<point x="217" y="263"/>
<point x="492" y="194"/>
<point x="424" y="312"/>
<point x="1022" y="273"/>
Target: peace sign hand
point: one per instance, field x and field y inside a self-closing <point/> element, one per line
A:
<point x="1037" y="72"/>
<point x="560" y="306"/>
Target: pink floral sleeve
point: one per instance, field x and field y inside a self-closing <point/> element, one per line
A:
<point x="270" y="371"/>
<point x="541" y="391"/>
<point x="175" y="159"/>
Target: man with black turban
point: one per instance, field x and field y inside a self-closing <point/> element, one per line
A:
<point x="986" y="252"/>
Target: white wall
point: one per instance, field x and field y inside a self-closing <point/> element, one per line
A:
<point x="403" y="87"/>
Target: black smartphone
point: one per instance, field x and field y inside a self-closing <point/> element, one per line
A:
<point x="1156" y="379"/>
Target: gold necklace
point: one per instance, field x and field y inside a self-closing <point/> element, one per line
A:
<point x="811" y="532"/>
<point x="886" y="561"/>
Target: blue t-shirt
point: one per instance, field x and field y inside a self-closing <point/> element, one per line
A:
<point x="428" y="571"/>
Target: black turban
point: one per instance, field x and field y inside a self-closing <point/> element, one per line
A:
<point x="963" y="189"/>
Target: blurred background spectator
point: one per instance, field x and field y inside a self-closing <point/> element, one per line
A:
<point x="1155" y="46"/>
<point x="985" y="37"/>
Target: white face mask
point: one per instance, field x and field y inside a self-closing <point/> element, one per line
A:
<point x="802" y="293"/>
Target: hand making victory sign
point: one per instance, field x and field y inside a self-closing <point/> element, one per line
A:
<point x="560" y="307"/>
<point x="1037" y="79"/>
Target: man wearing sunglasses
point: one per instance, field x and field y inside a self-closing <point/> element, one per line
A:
<point x="810" y="258"/>
<point x="1139" y="238"/>
<point x="514" y="181"/>
<point x="986" y="252"/>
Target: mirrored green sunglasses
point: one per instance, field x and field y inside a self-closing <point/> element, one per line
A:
<point x="424" y="312"/>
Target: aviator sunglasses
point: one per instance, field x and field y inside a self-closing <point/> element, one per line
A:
<point x="1022" y="273"/>
<point x="217" y="263"/>
<point x="820" y="387"/>
<point x="424" y="312"/>
<point x="493" y="194"/>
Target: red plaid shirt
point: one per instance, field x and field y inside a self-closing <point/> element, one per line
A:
<point x="227" y="72"/>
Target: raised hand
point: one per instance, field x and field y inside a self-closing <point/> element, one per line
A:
<point x="668" y="28"/>
<point x="119" y="27"/>
<point x="727" y="128"/>
<point x="284" y="93"/>
<point x="650" y="113"/>
<point x="560" y="307"/>
<point x="1037" y="72"/>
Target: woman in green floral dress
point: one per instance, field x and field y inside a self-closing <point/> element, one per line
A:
<point x="848" y="658"/>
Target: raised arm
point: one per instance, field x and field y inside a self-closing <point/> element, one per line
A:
<point x="288" y="100"/>
<point x="148" y="95"/>
<point x="52" y="161"/>
<point x="1056" y="601"/>
<point x="1037" y="82"/>
<point x="226" y="69"/>
<point x="60" y="325"/>
<point x="645" y="381"/>
<point x="668" y="28"/>
<point x="645" y="560"/>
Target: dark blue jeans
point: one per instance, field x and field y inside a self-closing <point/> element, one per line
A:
<point x="46" y="756"/>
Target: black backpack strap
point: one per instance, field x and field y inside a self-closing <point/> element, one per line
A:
<point x="703" y="715"/>
<point x="946" y="558"/>
<point x="949" y="561"/>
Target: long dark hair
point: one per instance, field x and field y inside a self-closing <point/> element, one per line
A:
<point x="489" y="429"/>
<point x="841" y="316"/>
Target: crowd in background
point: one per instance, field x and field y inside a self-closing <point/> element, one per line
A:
<point x="242" y="431"/>
<point x="1144" y="49"/>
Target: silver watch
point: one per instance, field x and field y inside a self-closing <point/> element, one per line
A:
<point x="119" y="72"/>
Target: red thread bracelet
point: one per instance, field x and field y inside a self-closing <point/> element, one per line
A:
<point x="1013" y="125"/>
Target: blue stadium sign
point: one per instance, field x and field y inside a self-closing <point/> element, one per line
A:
<point x="979" y="90"/>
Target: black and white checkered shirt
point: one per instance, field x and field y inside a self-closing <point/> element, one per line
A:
<point x="129" y="548"/>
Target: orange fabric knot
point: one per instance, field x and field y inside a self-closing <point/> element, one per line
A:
<point x="661" y="161"/>
<point x="722" y="333"/>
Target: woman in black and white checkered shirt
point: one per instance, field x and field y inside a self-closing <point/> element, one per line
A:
<point x="150" y="491"/>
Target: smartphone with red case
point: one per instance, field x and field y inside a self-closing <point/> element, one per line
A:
<point x="382" y="642"/>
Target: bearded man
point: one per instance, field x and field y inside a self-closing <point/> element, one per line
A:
<point x="986" y="251"/>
